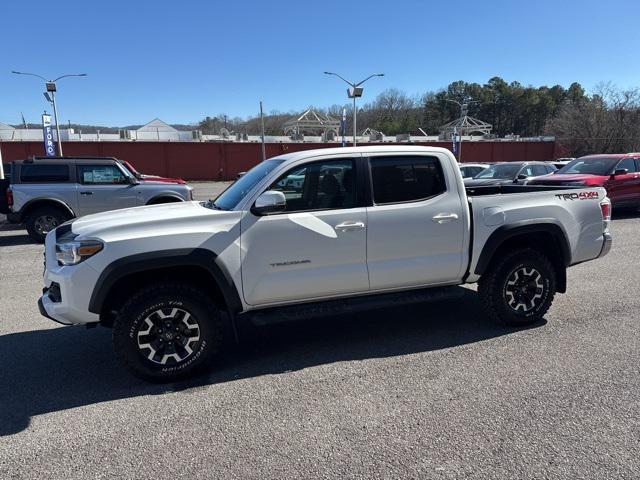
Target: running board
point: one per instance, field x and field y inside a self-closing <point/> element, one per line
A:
<point x="352" y="305"/>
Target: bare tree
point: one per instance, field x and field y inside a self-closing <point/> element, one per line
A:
<point x="607" y="121"/>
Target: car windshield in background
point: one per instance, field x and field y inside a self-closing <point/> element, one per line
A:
<point x="590" y="166"/>
<point x="230" y="198"/>
<point x="502" y="171"/>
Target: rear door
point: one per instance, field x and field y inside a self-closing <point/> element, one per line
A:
<point x="415" y="232"/>
<point x="317" y="247"/>
<point x="104" y="187"/>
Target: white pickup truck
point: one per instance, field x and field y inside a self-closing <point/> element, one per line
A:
<point x="355" y="228"/>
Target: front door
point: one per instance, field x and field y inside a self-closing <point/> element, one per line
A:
<point x="314" y="249"/>
<point x="415" y="229"/>
<point x="103" y="188"/>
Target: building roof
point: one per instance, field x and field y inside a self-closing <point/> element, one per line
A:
<point x="4" y="126"/>
<point x="157" y="125"/>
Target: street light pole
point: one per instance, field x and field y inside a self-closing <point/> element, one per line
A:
<point x="354" y="92"/>
<point x="51" y="88"/>
<point x="55" y="116"/>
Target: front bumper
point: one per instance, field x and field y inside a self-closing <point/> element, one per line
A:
<point x="68" y="301"/>
<point x="606" y="245"/>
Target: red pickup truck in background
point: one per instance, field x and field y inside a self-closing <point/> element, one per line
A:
<point x="618" y="173"/>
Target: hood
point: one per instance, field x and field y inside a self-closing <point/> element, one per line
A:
<point x="560" y="178"/>
<point x="480" y="182"/>
<point x="152" y="220"/>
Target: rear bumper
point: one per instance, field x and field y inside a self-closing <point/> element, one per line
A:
<point x="606" y="245"/>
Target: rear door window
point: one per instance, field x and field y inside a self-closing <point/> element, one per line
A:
<point x="406" y="179"/>
<point x="39" y="173"/>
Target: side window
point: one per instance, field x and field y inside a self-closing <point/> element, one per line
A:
<point x="319" y="186"/>
<point x="100" y="175"/>
<point x="528" y="171"/>
<point x="406" y="179"/>
<point x="41" y="173"/>
<point x="627" y="163"/>
<point x="540" y="170"/>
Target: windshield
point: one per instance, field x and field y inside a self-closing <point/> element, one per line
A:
<point x="502" y="171"/>
<point x="232" y="196"/>
<point x="128" y="167"/>
<point x="590" y="166"/>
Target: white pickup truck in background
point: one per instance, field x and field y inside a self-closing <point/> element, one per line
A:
<point x="312" y="233"/>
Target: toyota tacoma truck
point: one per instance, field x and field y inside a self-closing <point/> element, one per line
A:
<point x="355" y="228"/>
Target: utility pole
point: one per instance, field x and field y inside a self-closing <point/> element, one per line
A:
<point x="264" y="155"/>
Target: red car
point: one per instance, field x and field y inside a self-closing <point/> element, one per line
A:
<point x="149" y="178"/>
<point x="618" y="173"/>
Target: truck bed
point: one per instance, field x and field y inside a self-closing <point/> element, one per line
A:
<point x="507" y="189"/>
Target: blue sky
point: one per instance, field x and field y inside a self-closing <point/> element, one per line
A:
<point x="183" y="60"/>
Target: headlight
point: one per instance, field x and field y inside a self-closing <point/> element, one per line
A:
<point x="74" y="252"/>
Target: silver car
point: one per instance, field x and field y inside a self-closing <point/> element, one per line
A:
<point x="45" y="192"/>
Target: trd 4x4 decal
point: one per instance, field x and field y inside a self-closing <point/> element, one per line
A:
<point x="577" y="196"/>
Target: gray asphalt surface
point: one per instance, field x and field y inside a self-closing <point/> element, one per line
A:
<point x="428" y="391"/>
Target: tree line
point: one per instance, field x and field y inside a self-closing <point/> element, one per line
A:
<point x="605" y="120"/>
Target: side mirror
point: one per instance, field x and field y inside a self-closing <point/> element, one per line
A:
<point x="620" y="171"/>
<point x="271" y="201"/>
<point x="522" y="176"/>
<point x="132" y="181"/>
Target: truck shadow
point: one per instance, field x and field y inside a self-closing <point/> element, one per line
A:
<point x="56" y="369"/>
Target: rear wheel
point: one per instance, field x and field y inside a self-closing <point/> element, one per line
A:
<point x="518" y="289"/>
<point x="167" y="331"/>
<point x="42" y="220"/>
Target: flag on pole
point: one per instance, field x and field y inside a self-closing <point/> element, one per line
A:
<point x="47" y="132"/>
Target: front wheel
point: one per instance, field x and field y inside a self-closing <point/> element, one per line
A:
<point x="518" y="288"/>
<point x="165" y="332"/>
<point x="42" y="220"/>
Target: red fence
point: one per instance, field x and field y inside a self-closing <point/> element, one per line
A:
<point x="223" y="161"/>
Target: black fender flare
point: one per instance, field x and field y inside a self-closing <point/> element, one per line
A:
<point x="178" y="198"/>
<point x="524" y="228"/>
<point x="185" y="257"/>
<point x="45" y="200"/>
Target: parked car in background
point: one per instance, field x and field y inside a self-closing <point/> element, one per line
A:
<point x="618" y="173"/>
<point x="509" y="173"/>
<point x="149" y="178"/>
<point x="561" y="162"/>
<point x="470" y="170"/>
<point x="45" y="192"/>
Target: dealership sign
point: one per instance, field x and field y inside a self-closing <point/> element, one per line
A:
<point x="49" y="146"/>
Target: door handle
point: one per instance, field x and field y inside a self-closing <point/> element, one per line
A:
<point x="346" y="226"/>
<point x="444" y="217"/>
<point x="86" y="193"/>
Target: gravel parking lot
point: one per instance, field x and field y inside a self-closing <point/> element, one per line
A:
<point x="428" y="391"/>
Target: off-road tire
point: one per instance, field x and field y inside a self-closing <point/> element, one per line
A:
<point x="497" y="294"/>
<point x="57" y="215"/>
<point x="131" y="323"/>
